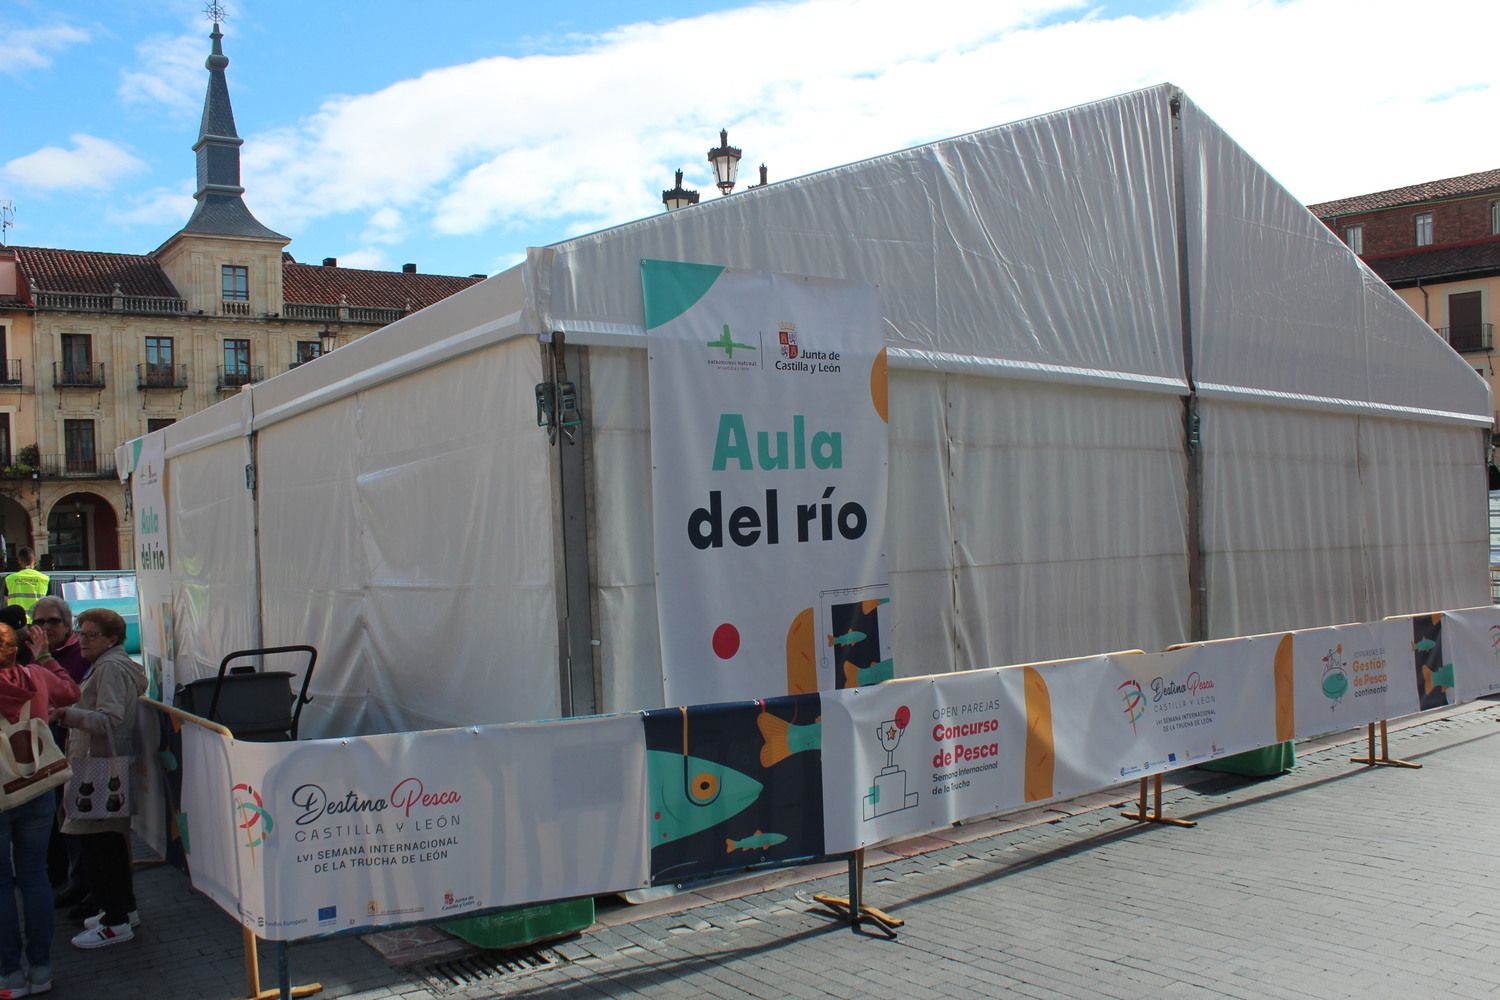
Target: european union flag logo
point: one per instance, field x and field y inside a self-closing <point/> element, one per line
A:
<point x="327" y="914"/>
<point x="1171" y="758"/>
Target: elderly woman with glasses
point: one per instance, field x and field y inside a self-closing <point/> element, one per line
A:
<point x="54" y="637"/>
<point x="106" y="706"/>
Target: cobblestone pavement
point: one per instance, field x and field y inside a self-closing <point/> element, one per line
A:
<point x="1331" y="881"/>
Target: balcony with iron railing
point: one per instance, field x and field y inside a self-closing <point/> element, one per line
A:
<point x="233" y="378"/>
<point x="149" y="376"/>
<point x="154" y="305"/>
<point x="10" y="373"/>
<point x="61" y="467"/>
<point x="1468" y="337"/>
<point x="74" y="376"/>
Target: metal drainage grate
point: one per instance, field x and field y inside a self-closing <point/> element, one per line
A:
<point x="482" y="968"/>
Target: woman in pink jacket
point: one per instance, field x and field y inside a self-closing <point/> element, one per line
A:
<point x="24" y="830"/>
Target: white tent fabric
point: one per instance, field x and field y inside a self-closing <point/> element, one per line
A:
<point x="1039" y="282"/>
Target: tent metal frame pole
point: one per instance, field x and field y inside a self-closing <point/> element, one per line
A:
<point x="577" y="667"/>
<point x="252" y="483"/>
<point x="1191" y="422"/>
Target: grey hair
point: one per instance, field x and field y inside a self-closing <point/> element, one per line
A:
<point x="63" y="611"/>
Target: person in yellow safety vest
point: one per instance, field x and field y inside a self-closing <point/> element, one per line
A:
<point x="26" y="585"/>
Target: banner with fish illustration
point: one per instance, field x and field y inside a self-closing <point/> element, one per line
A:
<point x="1472" y="640"/>
<point x="303" y="839"/>
<point x="769" y="451"/>
<point x="1350" y="675"/>
<point x="734" y="786"/>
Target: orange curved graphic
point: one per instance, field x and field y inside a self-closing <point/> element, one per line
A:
<point x="1286" y="702"/>
<point x="801" y="655"/>
<point x="1039" y="753"/>
<point x="879" y="387"/>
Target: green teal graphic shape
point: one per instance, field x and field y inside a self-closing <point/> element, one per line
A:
<point x="670" y="288"/>
<point x="692" y="794"/>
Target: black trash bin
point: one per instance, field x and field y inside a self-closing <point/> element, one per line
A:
<point x="256" y="705"/>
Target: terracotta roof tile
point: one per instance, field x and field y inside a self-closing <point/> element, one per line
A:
<point x="1412" y="194"/>
<point x="92" y="272"/>
<point x="317" y="285"/>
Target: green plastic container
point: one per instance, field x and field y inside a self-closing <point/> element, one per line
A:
<point x="1277" y="758"/>
<point x="524" y="925"/>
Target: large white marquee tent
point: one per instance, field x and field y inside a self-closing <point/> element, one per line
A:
<point x="1139" y="395"/>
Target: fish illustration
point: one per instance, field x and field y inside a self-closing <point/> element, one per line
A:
<point x="849" y="638"/>
<point x="784" y="738"/>
<point x="1495" y="636"/>
<point x="876" y="673"/>
<point x="756" y="842"/>
<point x="1423" y="645"/>
<point x="690" y="794"/>
<point x="865" y="607"/>
<point x="1432" y="679"/>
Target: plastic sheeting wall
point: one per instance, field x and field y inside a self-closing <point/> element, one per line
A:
<point x="423" y="554"/>
<point x="211" y="536"/>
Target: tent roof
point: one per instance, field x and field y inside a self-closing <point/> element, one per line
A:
<point x="1053" y="248"/>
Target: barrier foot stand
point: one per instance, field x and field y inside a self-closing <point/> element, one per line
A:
<point x="1385" y="759"/>
<point x="252" y="974"/>
<point x="1155" y="816"/>
<point x="851" y="907"/>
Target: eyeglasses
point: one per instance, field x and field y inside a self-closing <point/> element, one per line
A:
<point x="47" y="621"/>
<point x="91" y="636"/>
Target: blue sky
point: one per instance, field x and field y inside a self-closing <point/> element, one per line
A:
<point x="456" y="133"/>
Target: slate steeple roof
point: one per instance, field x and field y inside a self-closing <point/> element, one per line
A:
<point x="221" y="211"/>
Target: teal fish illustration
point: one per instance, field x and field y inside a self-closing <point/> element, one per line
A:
<point x="1442" y="677"/>
<point x="1423" y="645"/>
<point x="757" y="842"/>
<point x="849" y="638"/>
<point x="782" y="738"/>
<point x="876" y="673"/>
<point x="690" y="794"/>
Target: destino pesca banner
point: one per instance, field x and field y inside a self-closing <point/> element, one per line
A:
<point x="311" y="838"/>
<point x="769" y="461"/>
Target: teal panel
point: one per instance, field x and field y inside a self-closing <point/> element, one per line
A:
<point x="670" y="288"/>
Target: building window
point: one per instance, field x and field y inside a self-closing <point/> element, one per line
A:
<point x="77" y="359"/>
<point x="78" y="444"/>
<point x="1424" y="229"/>
<point x="159" y="361"/>
<point x="236" y="283"/>
<point x="4" y="439"/>
<point x="158" y="423"/>
<point x="307" y="350"/>
<point x="1495" y="218"/>
<point x="1355" y="237"/>
<point x="236" y="362"/>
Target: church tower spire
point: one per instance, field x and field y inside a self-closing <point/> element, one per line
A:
<point x="221" y="210"/>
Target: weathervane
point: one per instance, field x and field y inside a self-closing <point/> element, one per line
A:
<point x="215" y="11"/>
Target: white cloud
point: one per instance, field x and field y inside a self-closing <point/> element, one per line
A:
<point x="91" y="163"/>
<point x="585" y="138"/>
<point x="373" y="260"/>
<point x="157" y="207"/>
<point x="26" y="49"/>
<point x="386" y="226"/>
<point x="170" y="76"/>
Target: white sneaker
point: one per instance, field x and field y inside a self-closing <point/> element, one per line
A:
<point x="14" y="985"/>
<point x="103" y="937"/>
<point x="89" y="923"/>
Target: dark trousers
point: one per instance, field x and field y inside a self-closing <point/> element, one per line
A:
<point x="106" y="862"/>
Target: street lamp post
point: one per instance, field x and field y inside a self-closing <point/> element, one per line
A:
<point x="679" y="196"/>
<point x="726" y="160"/>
